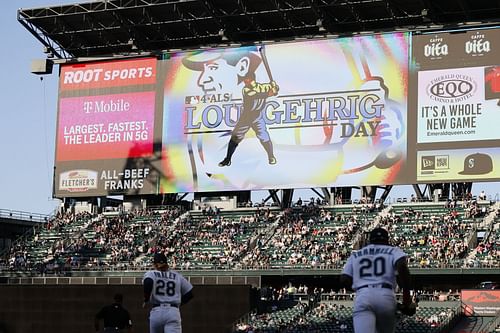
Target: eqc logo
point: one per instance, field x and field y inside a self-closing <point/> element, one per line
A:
<point x="451" y="88"/>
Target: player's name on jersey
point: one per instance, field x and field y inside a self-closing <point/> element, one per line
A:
<point x="164" y="274"/>
<point x="373" y="251"/>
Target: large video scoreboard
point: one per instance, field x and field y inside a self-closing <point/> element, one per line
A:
<point x="391" y="108"/>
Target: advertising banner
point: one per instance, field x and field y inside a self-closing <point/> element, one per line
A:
<point x="106" y="129"/>
<point x="481" y="302"/>
<point x="458" y="104"/>
<point x="99" y="75"/>
<point x="457" y="49"/>
<point x="455" y="85"/>
<point x="458" y="164"/>
<point x="305" y="114"/>
<point x="314" y="113"/>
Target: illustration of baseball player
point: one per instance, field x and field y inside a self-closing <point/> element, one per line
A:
<point x="254" y="100"/>
<point x="371" y="272"/>
<point x="223" y="71"/>
<point x="165" y="291"/>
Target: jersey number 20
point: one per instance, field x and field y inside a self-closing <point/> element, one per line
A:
<point x="163" y="288"/>
<point x="375" y="267"/>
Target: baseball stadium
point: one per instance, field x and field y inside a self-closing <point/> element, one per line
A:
<point x="236" y="164"/>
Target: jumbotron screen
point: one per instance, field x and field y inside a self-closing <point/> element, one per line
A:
<point x="332" y="112"/>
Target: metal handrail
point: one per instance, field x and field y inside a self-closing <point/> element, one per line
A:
<point x="24" y="216"/>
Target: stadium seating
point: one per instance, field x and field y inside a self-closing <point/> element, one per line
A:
<point x="434" y="235"/>
<point x="214" y="241"/>
<point x="333" y="317"/>
<point x="306" y="237"/>
<point x="487" y="252"/>
<point x="311" y="238"/>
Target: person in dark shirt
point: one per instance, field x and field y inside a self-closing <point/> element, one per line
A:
<point x="115" y="317"/>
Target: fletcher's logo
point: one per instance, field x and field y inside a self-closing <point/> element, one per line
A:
<point x="436" y="49"/>
<point x="78" y="180"/>
<point x="478" y="45"/>
<point x="451" y="88"/>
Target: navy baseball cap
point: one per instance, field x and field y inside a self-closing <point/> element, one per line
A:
<point x="379" y="235"/>
<point x="159" y="258"/>
<point x="477" y="164"/>
<point x="196" y="60"/>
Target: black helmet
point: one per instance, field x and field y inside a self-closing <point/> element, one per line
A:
<point x="159" y="258"/>
<point x="379" y="236"/>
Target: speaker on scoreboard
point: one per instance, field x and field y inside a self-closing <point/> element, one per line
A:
<point x="41" y="66"/>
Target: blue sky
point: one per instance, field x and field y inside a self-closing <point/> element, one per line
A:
<point x="27" y="126"/>
<point x="28" y="120"/>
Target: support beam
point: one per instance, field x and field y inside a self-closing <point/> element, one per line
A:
<point x="318" y="193"/>
<point x="56" y="49"/>
<point x="326" y="194"/>
<point x="342" y="194"/>
<point x="461" y="190"/>
<point x="287" y="197"/>
<point x="418" y="192"/>
<point x="385" y="194"/>
<point x="274" y="196"/>
<point x="369" y="193"/>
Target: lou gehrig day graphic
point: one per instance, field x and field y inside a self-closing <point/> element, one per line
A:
<point x="302" y="114"/>
<point x="105" y="126"/>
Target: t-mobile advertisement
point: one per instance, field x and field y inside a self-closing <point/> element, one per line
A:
<point x="106" y="129"/>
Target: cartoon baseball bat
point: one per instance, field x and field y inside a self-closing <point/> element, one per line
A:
<point x="384" y="160"/>
<point x="266" y="64"/>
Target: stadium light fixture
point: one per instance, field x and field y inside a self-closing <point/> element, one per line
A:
<point x="222" y="34"/>
<point x="425" y="15"/>
<point x="48" y="51"/>
<point x="319" y="24"/>
<point x="41" y="66"/>
<point x="131" y="43"/>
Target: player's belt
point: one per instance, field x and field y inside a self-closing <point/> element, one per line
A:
<point x="378" y="285"/>
<point x="166" y="304"/>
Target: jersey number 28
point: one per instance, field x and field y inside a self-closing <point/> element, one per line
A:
<point x="369" y="267"/>
<point x="163" y="288"/>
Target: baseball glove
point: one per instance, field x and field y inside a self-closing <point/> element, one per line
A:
<point x="409" y="309"/>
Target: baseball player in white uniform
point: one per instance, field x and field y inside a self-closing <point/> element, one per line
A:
<point x="371" y="272"/>
<point x="165" y="291"/>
